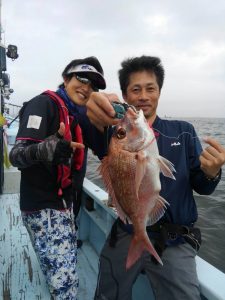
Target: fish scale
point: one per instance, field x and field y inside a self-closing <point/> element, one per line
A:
<point x="130" y="172"/>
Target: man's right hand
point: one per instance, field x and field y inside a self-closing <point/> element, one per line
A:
<point x="100" y="111"/>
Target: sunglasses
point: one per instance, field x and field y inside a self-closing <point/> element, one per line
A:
<point x="85" y="80"/>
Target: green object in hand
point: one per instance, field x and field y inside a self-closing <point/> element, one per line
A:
<point x="119" y="109"/>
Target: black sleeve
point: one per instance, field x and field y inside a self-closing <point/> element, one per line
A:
<point x="39" y="118"/>
<point x="22" y="154"/>
<point x="92" y="137"/>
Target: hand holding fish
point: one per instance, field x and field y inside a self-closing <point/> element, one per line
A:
<point x="212" y="158"/>
<point x="100" y="111"/>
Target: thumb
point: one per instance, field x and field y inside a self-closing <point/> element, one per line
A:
<point x="61" y="130"/>
<point x="75" y="146"/>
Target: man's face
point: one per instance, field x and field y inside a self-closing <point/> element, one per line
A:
<point x="143" y="93"/>
<point x="78" y="92"/>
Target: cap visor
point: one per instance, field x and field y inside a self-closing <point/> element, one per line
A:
<point x="96" y="78"/>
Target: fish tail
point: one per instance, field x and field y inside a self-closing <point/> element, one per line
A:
<point x="137" y="246"/>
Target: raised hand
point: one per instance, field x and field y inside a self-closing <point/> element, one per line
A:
<point x="56" y="149"/>
<point x="100" y="111"/>
<point x="212" y="157"/>
<point x="61" y="133"/>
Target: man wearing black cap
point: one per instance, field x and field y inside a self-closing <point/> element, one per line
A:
<point x="51" y="151"/>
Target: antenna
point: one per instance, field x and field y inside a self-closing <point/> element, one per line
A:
<point x="1" y="29"/>
<point x="11" y="52"/>
<point x="2" y="60"/>
<point x="5" y="90"/>
<point x="0" y="21"/>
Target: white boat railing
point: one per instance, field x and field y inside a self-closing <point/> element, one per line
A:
<point x="96" y="219"/>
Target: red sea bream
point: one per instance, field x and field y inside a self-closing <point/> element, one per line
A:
<point x="130" y="172"/>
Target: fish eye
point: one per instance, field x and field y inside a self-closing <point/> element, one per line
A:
<point x="121" y="133"/>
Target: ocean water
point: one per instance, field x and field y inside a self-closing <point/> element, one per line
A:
<point x="211" y="209"/>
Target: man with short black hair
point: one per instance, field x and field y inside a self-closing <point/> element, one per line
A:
<point x="175" y="236"/>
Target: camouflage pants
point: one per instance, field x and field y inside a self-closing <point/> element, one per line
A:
<point x="53" y="236"/>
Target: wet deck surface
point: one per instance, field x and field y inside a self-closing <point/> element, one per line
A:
<point x="20" y="274"/>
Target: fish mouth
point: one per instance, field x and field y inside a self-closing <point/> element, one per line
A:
<point x="133" y="108"/>
<point x="132" y="112"/>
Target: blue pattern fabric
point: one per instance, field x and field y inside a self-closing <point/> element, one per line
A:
<point x="54" y="239"/>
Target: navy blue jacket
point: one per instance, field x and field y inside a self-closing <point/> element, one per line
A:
<point x="178" y="142"/>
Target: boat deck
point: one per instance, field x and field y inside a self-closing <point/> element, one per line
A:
<point x="20" y="275"/>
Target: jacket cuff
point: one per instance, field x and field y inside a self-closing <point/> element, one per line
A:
<point x="216" y="178"/>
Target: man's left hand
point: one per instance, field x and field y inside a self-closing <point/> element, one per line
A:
<point x="212" y="158"/>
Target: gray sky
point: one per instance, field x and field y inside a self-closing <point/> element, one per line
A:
<point x="189" y="37"/>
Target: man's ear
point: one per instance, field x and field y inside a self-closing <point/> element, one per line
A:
<point x="124" y="97"/>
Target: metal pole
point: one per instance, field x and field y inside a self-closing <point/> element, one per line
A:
<point x="1" y="60"/>
<point x="1" y="63"/>
<point x="0" y="21"/>
<point x="2" y="99"/>
<point x="2" y="111"/>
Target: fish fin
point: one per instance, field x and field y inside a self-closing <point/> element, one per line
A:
<point x="140" y="169"/>
<point x="137" y="246"/>
<point x="166" y="167"/>
<point x="104" y="171"/>
<point x="158" y="210"/>
<point x="121" y="214"/>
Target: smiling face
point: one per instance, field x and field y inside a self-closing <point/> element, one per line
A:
<point x="143" y="93"/>
<point x="78" y="92"/>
